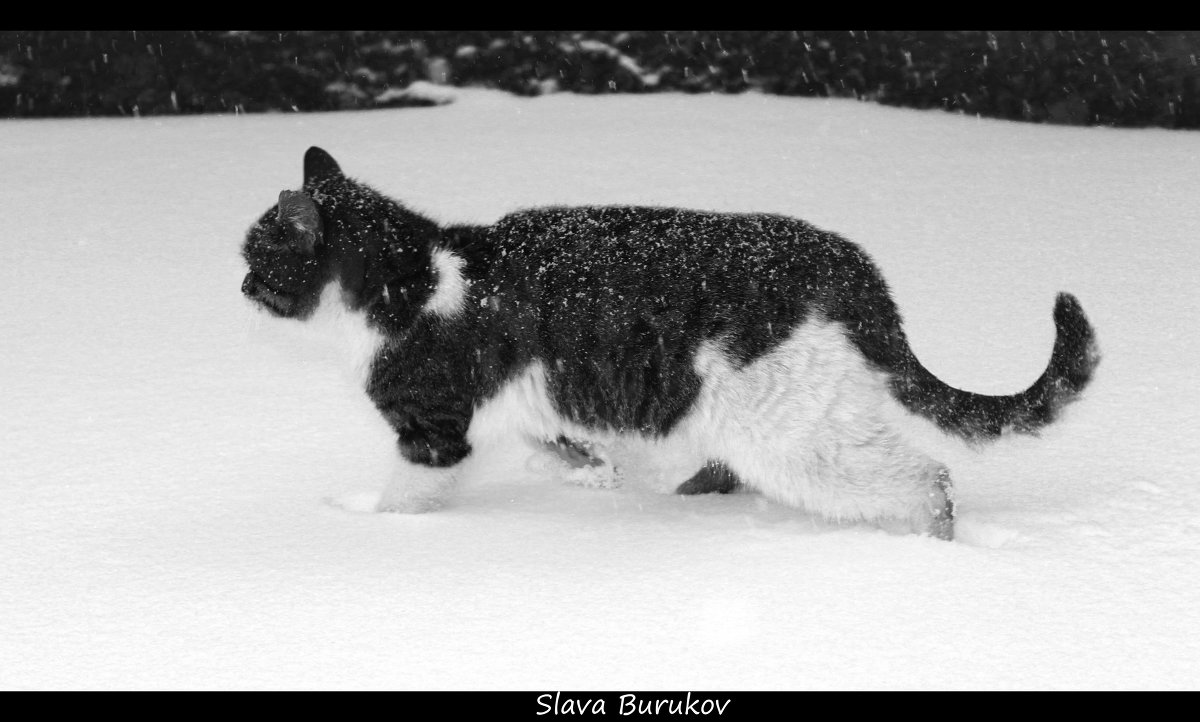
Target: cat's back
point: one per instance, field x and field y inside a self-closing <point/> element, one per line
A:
<point x="680" y="258"/>
<point x="625" y="234"/>
<point x="643" y="248"/>
<point x="623" y="277"/>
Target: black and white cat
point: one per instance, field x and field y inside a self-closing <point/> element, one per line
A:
<point x="770" y="347"/>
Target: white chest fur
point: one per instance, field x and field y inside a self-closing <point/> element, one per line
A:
<point x="347" y="331"/>
<point x="359" y="343"/>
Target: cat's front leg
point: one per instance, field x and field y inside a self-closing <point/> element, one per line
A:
<point x="432" y="448"/>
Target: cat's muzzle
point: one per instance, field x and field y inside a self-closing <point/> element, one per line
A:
<point x="258" y="291"/>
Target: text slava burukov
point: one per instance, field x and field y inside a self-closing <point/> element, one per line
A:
<point x="631" y="704"/>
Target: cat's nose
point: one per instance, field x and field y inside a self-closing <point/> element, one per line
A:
<point x="249" y="284"/>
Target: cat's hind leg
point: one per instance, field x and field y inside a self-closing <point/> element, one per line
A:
<point x="806" y="426"/>
<point x="880" y="481"/>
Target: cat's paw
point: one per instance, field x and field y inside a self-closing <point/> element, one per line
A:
<point x="578" y="454"/>
<point x="712" y="477"/>
<point x="595" y="477"/>
<point x="416" y="489"/>
<point x="579" y="463"/>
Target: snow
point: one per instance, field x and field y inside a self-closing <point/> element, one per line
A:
<point x="167" y="452"/>
<point x="419" y="91"/>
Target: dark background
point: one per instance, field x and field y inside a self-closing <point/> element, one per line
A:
<point x="1118" y="78"/>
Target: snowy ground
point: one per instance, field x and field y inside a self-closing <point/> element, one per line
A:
<point x="165" y="452"/>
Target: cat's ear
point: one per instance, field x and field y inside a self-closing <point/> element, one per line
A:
<point x="299" y="215"/>
<point x="318" y="165"/>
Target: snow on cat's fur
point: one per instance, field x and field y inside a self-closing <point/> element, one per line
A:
<point x="768" y="348"/>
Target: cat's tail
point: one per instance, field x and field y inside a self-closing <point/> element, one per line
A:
<point x="978" y="417"/>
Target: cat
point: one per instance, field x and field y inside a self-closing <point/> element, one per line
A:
<point x="771" y="347"/>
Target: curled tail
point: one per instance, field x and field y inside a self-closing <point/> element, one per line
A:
<point x="978" y="417"/>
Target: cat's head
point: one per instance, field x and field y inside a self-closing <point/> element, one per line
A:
<point x="286" y="248"/>
<point x="336" y="229"/>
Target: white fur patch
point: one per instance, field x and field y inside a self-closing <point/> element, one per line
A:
<point x="347" y="330"/>
<point x="450" y="294"/>
<point x="808" y="424"/>
<point x="523" y="408"/>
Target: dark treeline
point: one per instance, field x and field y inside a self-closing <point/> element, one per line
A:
<point x="1122" y="78"/>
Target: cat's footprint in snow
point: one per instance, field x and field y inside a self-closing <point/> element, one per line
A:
<point x="370" y="502"/>
<point x="360" y="502"/>
<point x="971" y="530"/>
